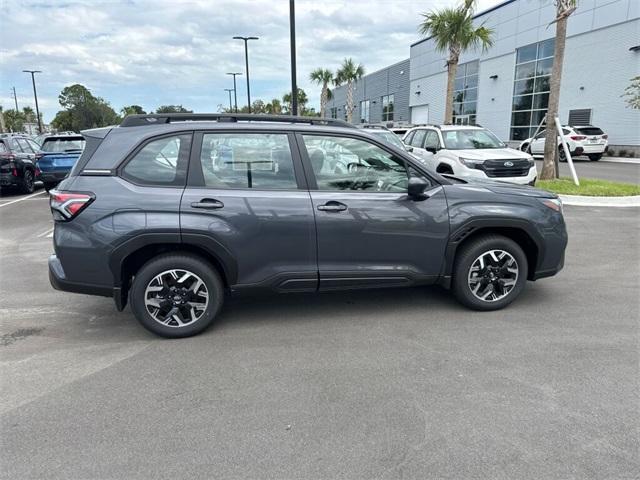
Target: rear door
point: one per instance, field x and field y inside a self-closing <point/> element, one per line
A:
<point x="370" y="232"/>
<point x="247" y="202"/>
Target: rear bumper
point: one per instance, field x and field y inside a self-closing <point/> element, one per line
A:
<point x="7" y="178"/>
<point x="597" y="148"/>
<point x="59" y="281"/>
<point x="54" y="176"/>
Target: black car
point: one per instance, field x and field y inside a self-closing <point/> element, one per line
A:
<point x="18" y="155"/>
<point x="170" y="211"/>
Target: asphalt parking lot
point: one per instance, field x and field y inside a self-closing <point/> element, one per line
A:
<point x="603" y="170"/>
<point x="371" y="384"/>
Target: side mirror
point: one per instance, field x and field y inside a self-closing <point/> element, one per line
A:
<point x="416" y="187"/>
<point x="431" y="149"/>
<point x="408" y="148"/>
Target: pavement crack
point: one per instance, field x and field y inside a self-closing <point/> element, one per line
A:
<point x="20" y="334"/>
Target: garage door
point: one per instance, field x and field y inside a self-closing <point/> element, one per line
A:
<point x="420" y="114"/>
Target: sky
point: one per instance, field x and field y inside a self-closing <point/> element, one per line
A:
<point x="158" y="52"/>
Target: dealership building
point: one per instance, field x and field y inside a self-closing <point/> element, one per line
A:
<point x="506" y="88"/>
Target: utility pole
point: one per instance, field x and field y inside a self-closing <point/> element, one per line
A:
<point x="292" y="31"/>
<point x="15" y="98"/>
<point x="235" y="91"/>
<point x="246" y="62"/>
<point x="230" y="104"/>
<point x="35" y="95"/>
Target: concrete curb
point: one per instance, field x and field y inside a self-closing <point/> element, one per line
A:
<point x="634" y="161"/>
<point x="582" y="201"/>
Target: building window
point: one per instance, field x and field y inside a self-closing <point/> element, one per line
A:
<point x="387" y="108"/>
<point x="531" y="88"/>
<point x="334" y="112"/>
<point x="345" y="110"/>
<point x="364" y="111"/>
<point x="465" y="94"/>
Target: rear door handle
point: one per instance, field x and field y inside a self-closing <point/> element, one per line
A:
<point x="332" y="206"/>
<point x="208" y="204"/>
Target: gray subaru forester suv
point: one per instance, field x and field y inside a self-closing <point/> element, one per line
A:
<point x="171" y="212"/>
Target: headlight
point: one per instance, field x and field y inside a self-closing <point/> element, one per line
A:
<point x="553" y="203"/>
<point x="470" y="162"/>
<point x="532" y="162"/>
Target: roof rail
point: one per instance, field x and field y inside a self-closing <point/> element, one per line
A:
<point x="159" y="118"/>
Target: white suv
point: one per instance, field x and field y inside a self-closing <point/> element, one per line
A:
<point x="470" y="152"/>
<point x="581" y="140"/>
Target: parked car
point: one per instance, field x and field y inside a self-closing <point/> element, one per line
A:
<point x="581" y="140"/>
<point x="385" y="134"/>
<point x="470" y="152"/>
<point x="155" y="214"/>
<point x="58" y="154"/>
<point x="18" y="155"/>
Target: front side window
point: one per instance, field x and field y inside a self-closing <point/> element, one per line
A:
<point x="350" y="164"/>
<point x="387" y="108"/>
<point x="464" y="139"/>
<point x="418" y="138"/>
<point x="160" y="162"/>
<point x="431" y="140"/>
<point x="260" y="161"/>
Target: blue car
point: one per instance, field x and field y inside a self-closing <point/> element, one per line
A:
<point x="57" y="155"/>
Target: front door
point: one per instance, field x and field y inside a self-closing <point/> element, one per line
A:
<point x="370" y="232"/>
<point x="246" y="201"/>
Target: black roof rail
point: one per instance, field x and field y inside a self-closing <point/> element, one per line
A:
<point x="159" y="118"/>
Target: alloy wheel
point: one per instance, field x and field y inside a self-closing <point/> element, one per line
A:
<point x="176" y="298"/>
<point x="493" y="275"/>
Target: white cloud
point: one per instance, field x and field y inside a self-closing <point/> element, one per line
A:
<point x="170" y="51"/>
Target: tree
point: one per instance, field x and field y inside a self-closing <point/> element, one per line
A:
<point x="172" y="109"/>
<point x="82" y="110"/>
<point x="3" y="126"/>
<point x="29" y="115"/>
<point x="132" y="110"/>
<point x="564" y="9"/>
<point x="349" y="73"/>
<point x="302" y="101"/>
<point x="632" y="93"/>
<point x="14" y="120"/>
<point x="324" y="77"/>
<point x="453" y="33"/>
<point x="274" y="107"/>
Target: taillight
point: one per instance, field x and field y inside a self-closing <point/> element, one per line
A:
<point x="38" y="172"/>
<point x="67" y="205"/>
<point x="605" y="136"/>
<point x="578" y="137"/>
<point x="39" y="156"/>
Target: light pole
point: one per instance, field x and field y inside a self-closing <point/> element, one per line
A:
<point x="229" y="90"/>
<point x="235" y="91"/>
<point x="15" y="98"/>
<point x="35" y="95"/>
<point x="292" y="31"/>
<point x="246" y="62"/>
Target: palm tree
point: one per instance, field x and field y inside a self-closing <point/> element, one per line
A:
<point x="453" y="32"/>
<point x="324" y="77"/>
<point x="274" y="107"/>
<point x="302" y="101"/>
<point x="564" y="8"/>
<point x="348" y="73"/>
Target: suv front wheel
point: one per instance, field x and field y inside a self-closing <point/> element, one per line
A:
<point x="176" y="295"/>
<point x="489" y="273"/>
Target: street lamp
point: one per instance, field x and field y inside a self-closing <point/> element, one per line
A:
<point x="35" y="95"/>
<point x="235" y="94"/>
<point x="246" y="61"/>
<point x="229" y="90"/>
<point x="292" y="32"/>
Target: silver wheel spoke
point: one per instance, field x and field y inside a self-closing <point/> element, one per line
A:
<point x="493" y="275"/>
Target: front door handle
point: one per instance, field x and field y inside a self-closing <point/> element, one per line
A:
<point x="332" y="206"/>
<point x="208" y="204"/>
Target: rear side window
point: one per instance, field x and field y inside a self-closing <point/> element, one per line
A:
<point x="13" y="145"/>
<point x="24" y="145"/>
<point x="160" y="162"/>
<point x="590" y="131"/>
<point x="247" y="160"/>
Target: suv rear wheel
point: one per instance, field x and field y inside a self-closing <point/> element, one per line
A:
<point x="489" y="273"/>
<point x="176" y="296"/>
<point x="28" y="182"/>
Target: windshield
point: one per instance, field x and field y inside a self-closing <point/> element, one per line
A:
<point x="470" y="139"/>
<point x="389" y="137"/>
<point x="60" y="145"/>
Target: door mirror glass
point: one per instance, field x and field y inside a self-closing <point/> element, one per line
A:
<point x="416" y="187"/>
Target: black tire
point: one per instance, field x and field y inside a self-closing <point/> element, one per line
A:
<point x="594" y="157"/>
<point x="48" y="186"/>
<point x="467" y="256"/>
<point x="192" y="264"/>
<point x="561" y="156"/>
<point x="28" y="182"/>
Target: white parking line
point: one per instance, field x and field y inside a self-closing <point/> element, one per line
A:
<point x="23" y="198"/>
<point x="47" y="233"/>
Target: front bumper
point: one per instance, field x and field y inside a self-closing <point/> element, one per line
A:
<point x="528" y="179"/>
<point x="59" y="281"/>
